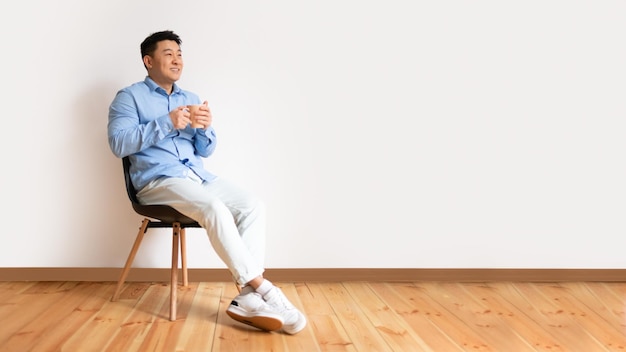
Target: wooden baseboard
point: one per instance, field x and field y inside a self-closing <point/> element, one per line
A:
<point x="323" y="275"/>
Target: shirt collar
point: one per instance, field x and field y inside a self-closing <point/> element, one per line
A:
<point x="155" y="87"/>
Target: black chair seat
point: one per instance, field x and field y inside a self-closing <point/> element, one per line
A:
<point x="165" y="215"/>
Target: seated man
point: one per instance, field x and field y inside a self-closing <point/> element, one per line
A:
<point x="149" y="121"/>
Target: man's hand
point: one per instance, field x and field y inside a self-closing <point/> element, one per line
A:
<point x="180" y="117"/>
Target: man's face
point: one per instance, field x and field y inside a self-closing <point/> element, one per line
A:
<point x="166" y="64"/>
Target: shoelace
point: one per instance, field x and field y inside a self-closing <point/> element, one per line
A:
<point x="281" y="301"/>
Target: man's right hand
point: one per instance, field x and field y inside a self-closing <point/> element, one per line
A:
<point x="180" y="117"/>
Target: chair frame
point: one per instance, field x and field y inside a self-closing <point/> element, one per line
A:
<point x="158" y="216"/>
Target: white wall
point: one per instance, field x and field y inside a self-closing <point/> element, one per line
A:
<point x="418" y="134"/>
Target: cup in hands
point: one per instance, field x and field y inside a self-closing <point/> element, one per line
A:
<point x="193" y="110"/>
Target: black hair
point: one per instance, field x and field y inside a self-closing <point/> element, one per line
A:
<point x="148" y="46"/>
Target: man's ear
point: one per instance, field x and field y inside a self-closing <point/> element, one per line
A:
<point x="147" y="61"/>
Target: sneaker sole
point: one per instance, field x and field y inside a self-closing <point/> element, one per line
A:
<point x="267" y="323"/>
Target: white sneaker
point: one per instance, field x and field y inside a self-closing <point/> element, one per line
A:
<point x="293" y="319"/>
<point x="250" y="308"/>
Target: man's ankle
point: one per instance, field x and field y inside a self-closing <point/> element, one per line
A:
<point x="264" y="287"/>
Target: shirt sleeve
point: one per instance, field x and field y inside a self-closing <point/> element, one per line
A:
<point x="125" y="132"/>
<point x="205" y="141"/>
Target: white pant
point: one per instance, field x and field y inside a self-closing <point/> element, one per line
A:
<point x="234" y="219"/>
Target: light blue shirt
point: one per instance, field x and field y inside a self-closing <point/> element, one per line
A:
<point x="140" y="127"/>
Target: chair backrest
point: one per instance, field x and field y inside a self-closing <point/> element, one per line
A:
<point x="165" y="214"/>
<point x="130" y="189"/>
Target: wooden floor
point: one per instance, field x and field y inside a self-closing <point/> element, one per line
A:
<point x="348" y="316"/>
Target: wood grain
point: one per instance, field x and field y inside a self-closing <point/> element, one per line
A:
<point x="342" y="316"/>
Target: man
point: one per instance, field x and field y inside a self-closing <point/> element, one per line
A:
<point x="149" y="121"/>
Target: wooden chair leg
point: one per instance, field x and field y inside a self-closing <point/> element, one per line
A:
<point x="129" y="261"/>
<point x="183" y="256"/>
<point x="174" y="278"/>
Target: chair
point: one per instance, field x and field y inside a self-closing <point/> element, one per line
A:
<point x="157" y="216"/>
